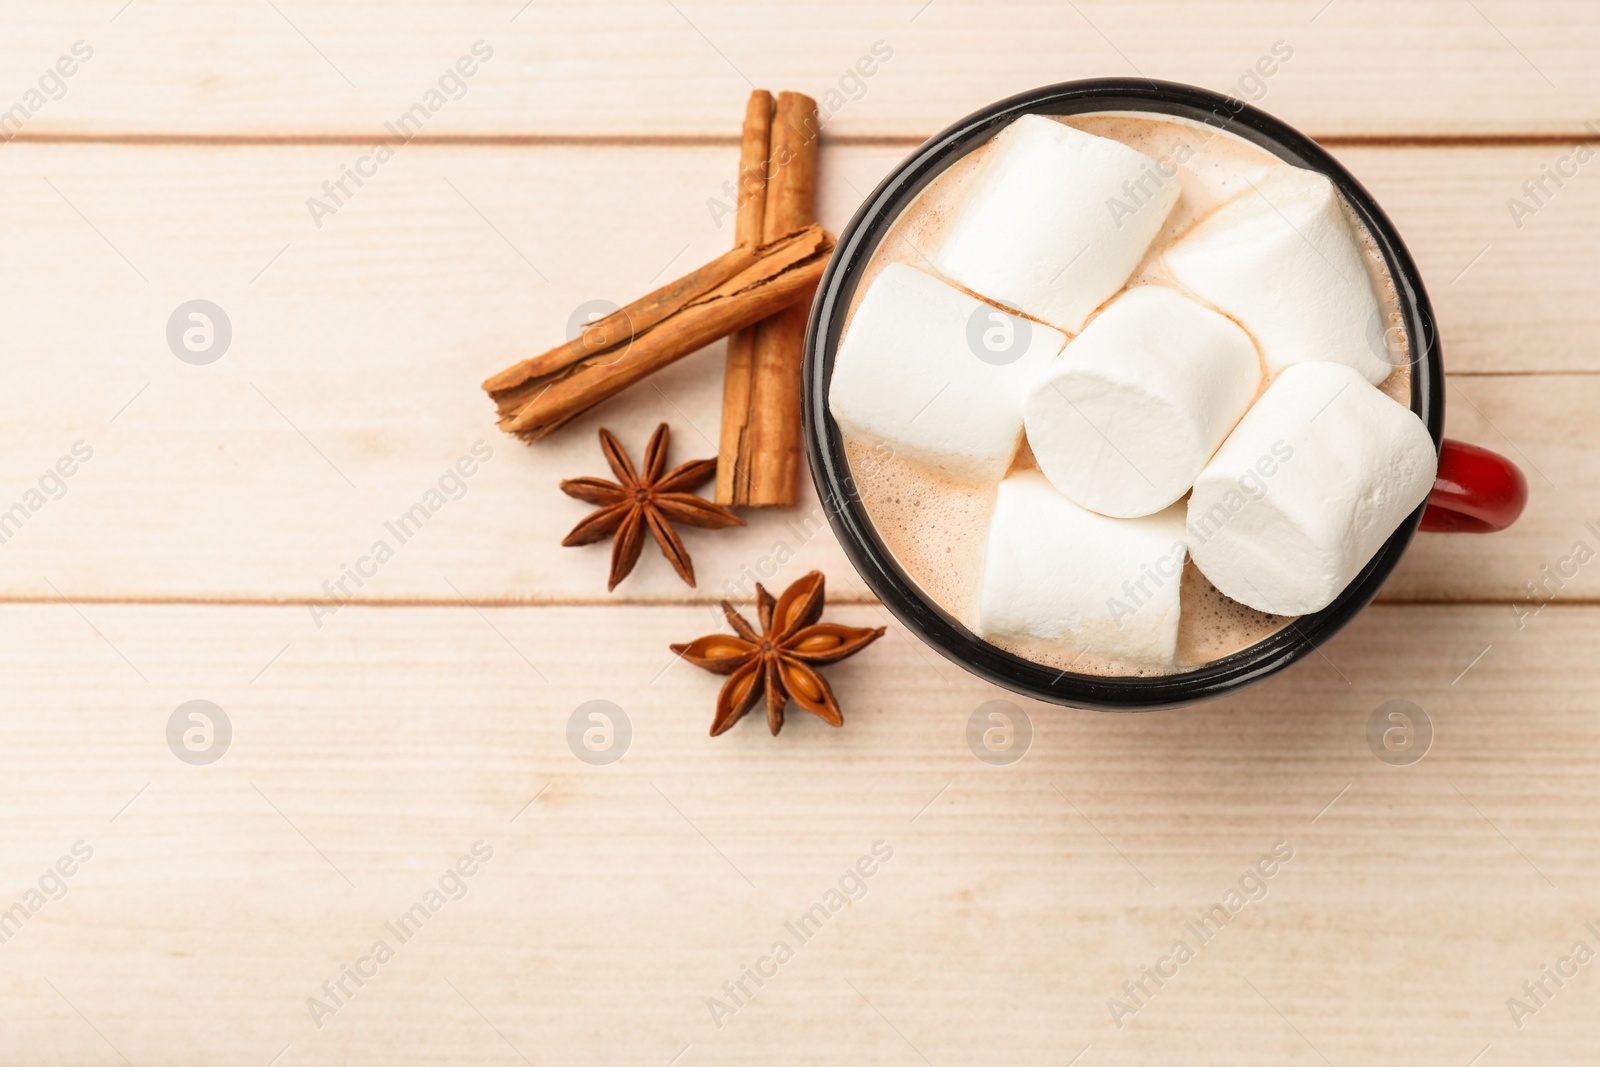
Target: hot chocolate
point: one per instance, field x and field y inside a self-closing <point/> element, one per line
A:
<point x="943" y="495"/>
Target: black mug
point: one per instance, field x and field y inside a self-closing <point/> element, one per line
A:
<point x="1476" y="491"/>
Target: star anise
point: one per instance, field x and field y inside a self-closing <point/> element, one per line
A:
<point x="782" y="659"/>
<point x="656" y="500"/>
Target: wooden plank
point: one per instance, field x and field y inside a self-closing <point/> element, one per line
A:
<point x="367" y="758"/>
<point x="572" y="68"/>
<point x="350" y="386"/>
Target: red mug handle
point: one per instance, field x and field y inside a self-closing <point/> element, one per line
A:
<point x="1475" y="491"/>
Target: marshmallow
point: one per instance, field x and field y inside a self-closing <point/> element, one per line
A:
<point x="1305" y="491"/>
<point x="1056" y="221"/>
<point x="1055" y="571"/>
<point x="1282" y="260"/>
<point x="937" y="375"/>
<point x="1126" y="417"/>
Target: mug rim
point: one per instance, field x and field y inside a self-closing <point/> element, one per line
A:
<point x="830" y="469"/>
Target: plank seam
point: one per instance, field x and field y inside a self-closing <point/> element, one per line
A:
<point x="691" y="140"/>
<point x="1575" y="373"/>
<point x="852" y="600"/>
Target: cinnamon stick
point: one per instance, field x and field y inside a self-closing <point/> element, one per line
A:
<point x="733" y="291"/>
<point x="755" y="145"/>
<point x="754" y="148"/>
<point x="759" y="463"/>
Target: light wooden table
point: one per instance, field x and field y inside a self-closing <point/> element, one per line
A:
<point x="372" y="748"/>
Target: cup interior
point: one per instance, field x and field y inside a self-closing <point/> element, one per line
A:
<point x="831" y="470"/>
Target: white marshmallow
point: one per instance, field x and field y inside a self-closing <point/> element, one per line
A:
<point x="937" y="375"/>
<point x="1282" y="259"/>
<point x="1305" y="491"/>
<point x="1056" y="221"/>
<point x="1126" y="417"/>
<point x="1055" y="571"/>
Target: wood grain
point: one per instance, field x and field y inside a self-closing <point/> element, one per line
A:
<point x="368" y="757"/>
<point x="588" y="159"/>
<point x="350" y="387"/>
<point x="568" y="68"/>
